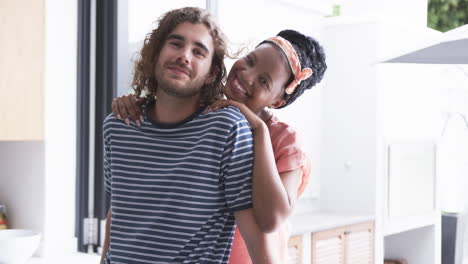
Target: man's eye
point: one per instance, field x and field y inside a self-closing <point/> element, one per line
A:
<point x="199" y="53"/>
<point x="175" y="44"/>
<point x="263" y="81"/>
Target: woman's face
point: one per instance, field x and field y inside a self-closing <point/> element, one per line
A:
<point x="259" y="79"/>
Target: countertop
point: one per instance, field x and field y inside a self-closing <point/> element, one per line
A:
<point x="300" y="224"/>
<point x="75" y="258"/>
<point x="318" y="221"/>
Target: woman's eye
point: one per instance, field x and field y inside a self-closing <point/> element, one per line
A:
<point x="263" y="81"/>
<point x="249" y="60"/>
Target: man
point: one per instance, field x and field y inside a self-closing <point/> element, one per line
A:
<point x="180" y="180"/>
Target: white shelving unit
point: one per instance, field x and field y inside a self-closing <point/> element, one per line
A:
<point x="368" y="108"/>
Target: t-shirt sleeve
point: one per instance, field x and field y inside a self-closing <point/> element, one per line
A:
<point x="107" y="160"/>
<point x="237" y="163"/>
<point x="288" y="154"/>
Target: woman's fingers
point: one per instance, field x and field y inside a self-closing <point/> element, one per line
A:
<point x="127" y="108"/>
<point x="133" y="109"/>
<point x="115" y="108"/>
<point x="136" y="106"/>
<point x="122" y="110"/>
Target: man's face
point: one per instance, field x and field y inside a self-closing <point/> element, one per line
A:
<point x="184" y="62"/>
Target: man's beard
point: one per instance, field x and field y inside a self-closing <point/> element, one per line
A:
<point x="185" y="91"/>
<point x="190" y="89"/>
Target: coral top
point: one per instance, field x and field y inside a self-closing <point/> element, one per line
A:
<point x="288" y="156"/>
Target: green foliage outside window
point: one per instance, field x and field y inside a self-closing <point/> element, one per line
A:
<point x="444" y="15"/>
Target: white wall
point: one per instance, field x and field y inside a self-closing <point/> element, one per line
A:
<point x="349" y="153"/>
<point x="453" y="166"/>
<point x="412" y="13"/>
<point x="60" y="125"/>
<point x="22" y="183"/>
<point x="453" y="143"/>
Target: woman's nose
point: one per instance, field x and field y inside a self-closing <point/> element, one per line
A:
<point x="247" y="76"/>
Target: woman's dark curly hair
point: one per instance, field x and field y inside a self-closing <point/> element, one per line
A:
<point x="144" y="81"/>
<point x="311" y="55"/>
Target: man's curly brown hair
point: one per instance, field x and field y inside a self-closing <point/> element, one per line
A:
<point x="144" y="80"/>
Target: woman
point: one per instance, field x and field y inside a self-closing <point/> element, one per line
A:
<point x="273" y="75"/>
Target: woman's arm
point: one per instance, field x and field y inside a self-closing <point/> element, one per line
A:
<point x="273" y="194"/>
<point x="262" y="247"/>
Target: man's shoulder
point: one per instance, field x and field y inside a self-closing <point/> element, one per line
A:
<point x="110" y="119"/>
<point x="111" y="122"/>
<point x="230" y="113"/>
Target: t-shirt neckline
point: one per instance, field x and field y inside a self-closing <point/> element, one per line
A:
<point x="146" y="115"/>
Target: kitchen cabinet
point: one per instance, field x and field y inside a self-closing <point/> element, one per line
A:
<point x="341" y="245"/>
<point x="328" y="246"/>
<point x="359" y="243"/>
<point x="22" y="48"/>
<point x="346" y="245"/>
<point x="295" y="249"/>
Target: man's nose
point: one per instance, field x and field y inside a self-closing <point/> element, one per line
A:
<point x="185" y="56"/>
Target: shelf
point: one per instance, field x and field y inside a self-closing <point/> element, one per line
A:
<point x="403" y="224"/>
<point x="416" y="246"/>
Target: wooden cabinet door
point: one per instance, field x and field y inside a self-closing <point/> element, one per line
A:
<point x="359" y="244"/>
<point x="328" y="246"/>
<point x="22" y="69"/>
<point x="295" y="250"/>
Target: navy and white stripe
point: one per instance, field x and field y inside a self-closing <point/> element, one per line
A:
<point x="174" y="190"/>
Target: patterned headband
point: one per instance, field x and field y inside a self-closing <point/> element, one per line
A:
<point x="293" y="61"/>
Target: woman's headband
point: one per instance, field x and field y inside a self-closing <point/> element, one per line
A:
<point x="293" y="61"/>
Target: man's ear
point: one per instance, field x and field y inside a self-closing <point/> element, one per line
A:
<point x="278" y="103"/>
<point x="212" y="75"/>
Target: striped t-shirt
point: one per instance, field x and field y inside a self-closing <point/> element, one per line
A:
<point x="174" y="189"/>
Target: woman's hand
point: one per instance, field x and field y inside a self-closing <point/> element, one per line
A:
<point x="127" y="108"/>
<point x="252" y="118"/>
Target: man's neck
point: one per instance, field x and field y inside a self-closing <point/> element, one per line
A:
<point x="170" y="110"/>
